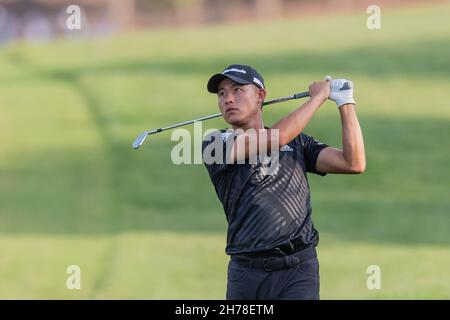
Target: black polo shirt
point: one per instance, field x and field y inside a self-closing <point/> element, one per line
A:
<point x="267" y="211"/>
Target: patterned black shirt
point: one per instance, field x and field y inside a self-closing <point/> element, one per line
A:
<point x="267" y="211"/>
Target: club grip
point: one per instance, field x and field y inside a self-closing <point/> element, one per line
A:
<point x="301" y="95"/>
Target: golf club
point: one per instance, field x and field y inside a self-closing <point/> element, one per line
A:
<point x="140" y="140"/>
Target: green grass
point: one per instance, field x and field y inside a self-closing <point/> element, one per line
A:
<point x="72" y="191"/>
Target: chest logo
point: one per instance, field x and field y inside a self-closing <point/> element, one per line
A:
<point x="225" y="135"/>
<point x="286" y="148"/>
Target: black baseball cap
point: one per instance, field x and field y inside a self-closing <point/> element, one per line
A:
<point x="239" y="73"/>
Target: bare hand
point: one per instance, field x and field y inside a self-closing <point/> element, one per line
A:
<point x="320" y="90"/>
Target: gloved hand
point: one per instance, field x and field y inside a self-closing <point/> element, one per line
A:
<point x="341" y="91"/>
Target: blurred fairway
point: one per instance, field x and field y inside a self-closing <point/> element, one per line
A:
<point x="72" y="191"/>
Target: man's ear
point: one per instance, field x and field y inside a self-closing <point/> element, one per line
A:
<point x="261" y="96"/>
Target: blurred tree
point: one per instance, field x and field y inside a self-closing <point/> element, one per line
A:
<point x="268" y="9"/>
<point x="122" y="13"/>
<point x="189" y="11"/>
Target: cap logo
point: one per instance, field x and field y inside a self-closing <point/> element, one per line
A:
<point x="256" y="80"/>
<point x="235" y="70"/>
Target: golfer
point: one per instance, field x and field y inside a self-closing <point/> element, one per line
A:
<point x="271" y="237"/>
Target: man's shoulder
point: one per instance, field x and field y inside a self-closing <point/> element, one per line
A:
<point x="303" y="138"/>
<point x="300" y="139"/>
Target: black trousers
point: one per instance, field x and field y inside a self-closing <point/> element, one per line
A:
<point x="294" y="277"/>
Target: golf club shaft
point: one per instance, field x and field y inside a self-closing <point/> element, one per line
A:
<point x="295" y="96"/>
<point x="140" y="140"/>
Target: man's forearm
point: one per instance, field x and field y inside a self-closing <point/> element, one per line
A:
<point x="292" y="125"/>
<point x="352" y="138"/>
<point x="287" y="129"/>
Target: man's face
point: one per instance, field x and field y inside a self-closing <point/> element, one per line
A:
<point x="239" y="102"/>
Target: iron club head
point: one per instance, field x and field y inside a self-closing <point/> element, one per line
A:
<point x="140" y="140"/>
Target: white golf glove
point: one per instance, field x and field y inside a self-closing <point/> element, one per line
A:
<point x="341" y="91"/>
